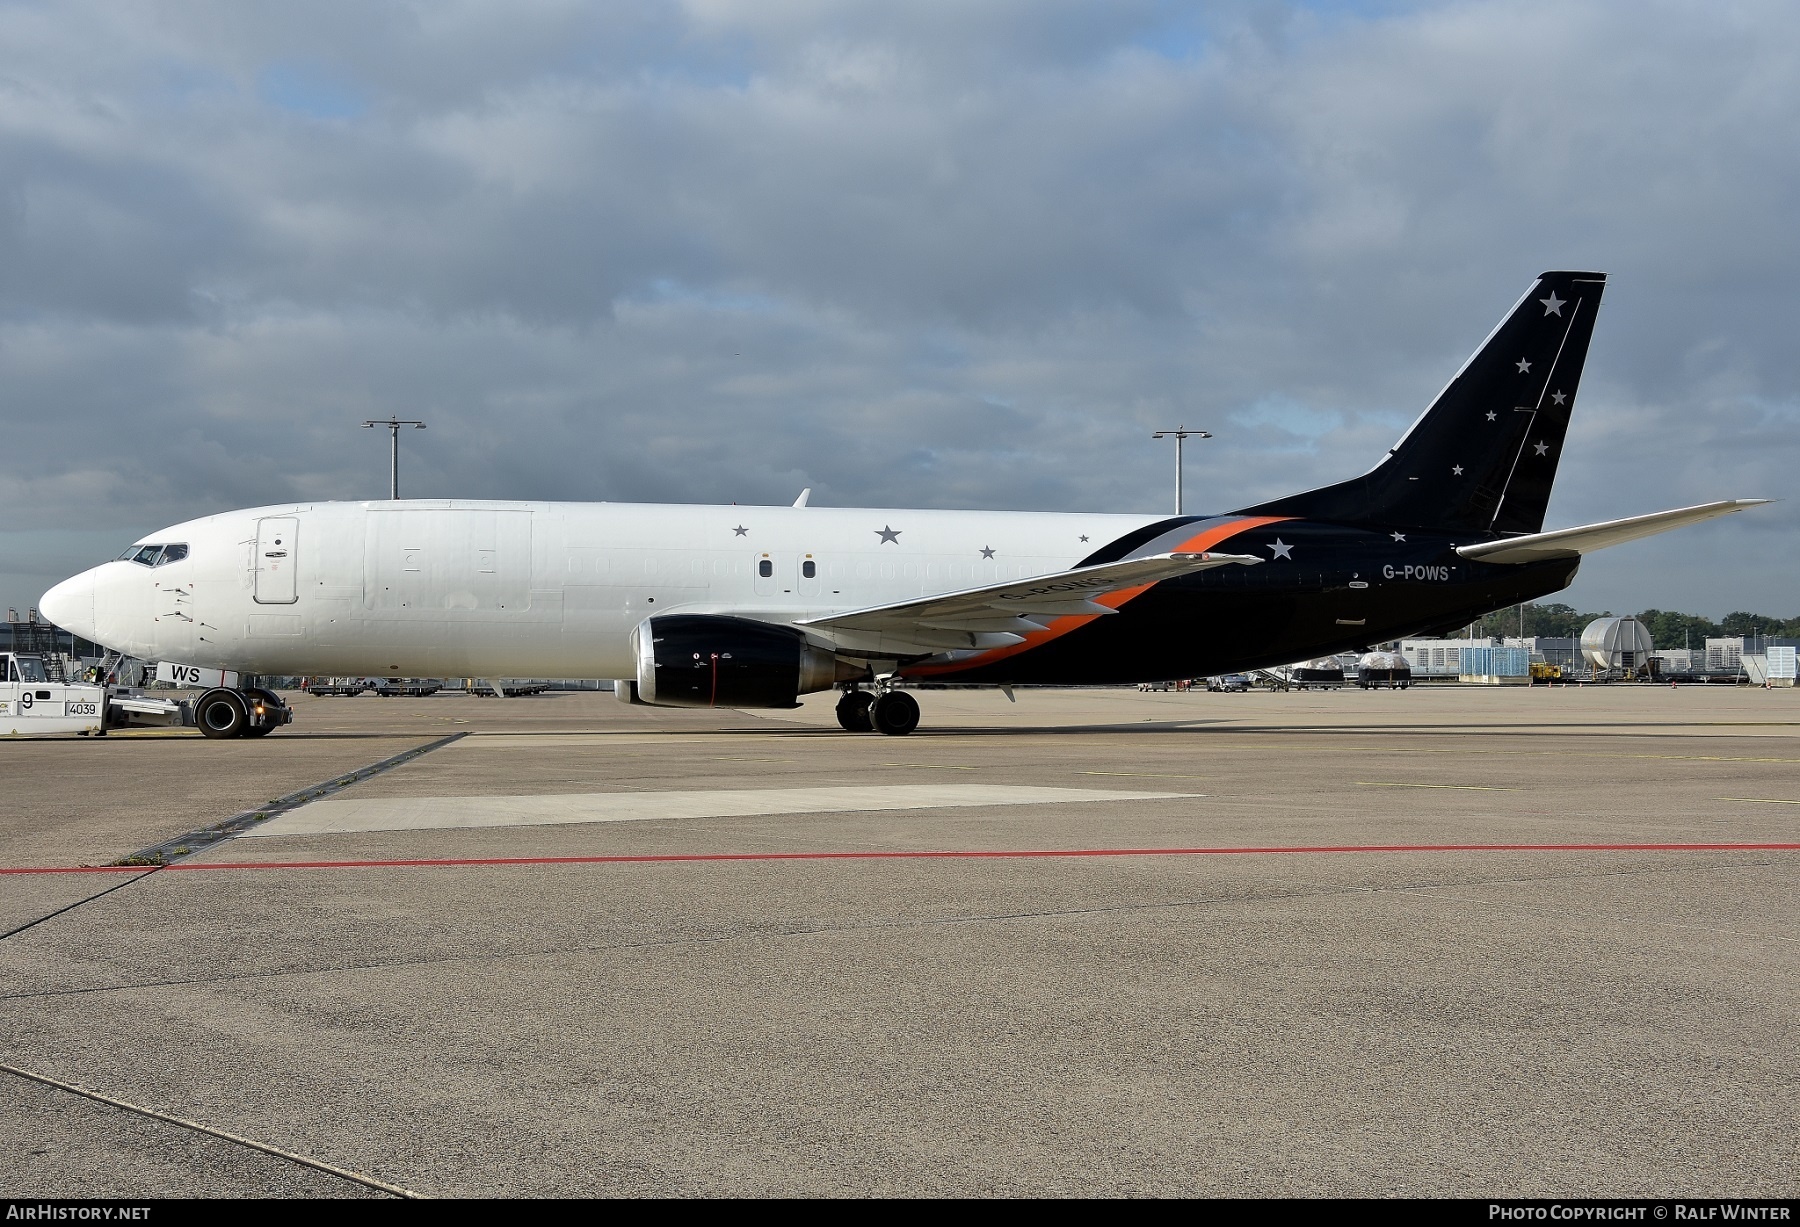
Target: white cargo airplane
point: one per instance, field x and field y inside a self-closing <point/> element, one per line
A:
<point x="755" y="606"/>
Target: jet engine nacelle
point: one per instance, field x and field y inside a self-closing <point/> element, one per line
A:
<point x="710" y="660"/>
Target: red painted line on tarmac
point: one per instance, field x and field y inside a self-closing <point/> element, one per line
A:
<point x="997" y="854"/>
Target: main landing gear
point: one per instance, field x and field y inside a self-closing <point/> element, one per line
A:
<point x="893" y="712"/>
<point x="853" y="712"/>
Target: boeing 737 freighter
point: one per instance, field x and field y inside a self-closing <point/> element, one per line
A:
<point x="695" y="606"/>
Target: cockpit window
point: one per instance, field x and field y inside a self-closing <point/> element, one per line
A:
<point x="154" y="555"/>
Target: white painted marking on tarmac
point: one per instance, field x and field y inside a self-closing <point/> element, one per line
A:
<point x="444" y="813"/>
<point x="1764" y="800"/>
<point x="1458" y="787"/>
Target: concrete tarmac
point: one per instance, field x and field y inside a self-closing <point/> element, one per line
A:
<point x="1506" y="992"/>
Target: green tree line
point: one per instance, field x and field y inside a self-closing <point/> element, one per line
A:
<point x="1668" y="628"/>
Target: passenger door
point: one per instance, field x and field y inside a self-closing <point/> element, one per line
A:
<point x="276" y="557"/>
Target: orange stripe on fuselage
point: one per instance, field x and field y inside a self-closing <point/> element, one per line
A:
<point x="1198" y="543"/>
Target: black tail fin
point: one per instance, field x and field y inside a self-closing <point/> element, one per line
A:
<point x="1484" y="455"/>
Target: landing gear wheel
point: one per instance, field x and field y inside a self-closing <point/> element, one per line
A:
<point x="221" y="714"/>
<point x="853" y="712"/>
<point x="895" y="713"/>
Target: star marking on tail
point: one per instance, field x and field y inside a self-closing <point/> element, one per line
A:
<point x="1553" y="305"/>
<point x="1492" y="415"/>
<point x="1557" y="398"/>
<point x="1399" y="537"/>
<point x="1542" y="449"/>
<point x="1524" y="367"/>
<point x="1456" y="470"/>
<point x="1281" y="549"/>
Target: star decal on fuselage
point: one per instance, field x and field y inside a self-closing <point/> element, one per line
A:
<point x="1524" y="367"/>
<point x="741" y="531"/>
<point x="888" y="534"/>
<point x="1456" y="470"/>
<point x="1492" y="415"/>
<point x="1281" y="549"/>
<point x="1399" y="537"/>
<point x="1553" y="305"/>
<point x="986" y="552"/>
<point x="1557" y="398"/>
<point x="1543" y="449"/>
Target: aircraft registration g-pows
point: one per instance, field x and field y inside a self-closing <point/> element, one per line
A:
<point x="696" y="606"/>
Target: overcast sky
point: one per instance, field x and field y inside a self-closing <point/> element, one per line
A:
<point x="925" y="254"/>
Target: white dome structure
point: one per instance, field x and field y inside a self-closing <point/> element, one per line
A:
<point x="1617" y="643"/>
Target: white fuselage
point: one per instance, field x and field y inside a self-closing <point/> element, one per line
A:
<point x="456" y="588"/>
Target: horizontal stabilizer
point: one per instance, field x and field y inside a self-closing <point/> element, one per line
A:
<point x="1568" y="542"/>
<point x="1015" y="606"/>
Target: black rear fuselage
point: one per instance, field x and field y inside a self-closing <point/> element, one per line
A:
<point x="1322" y="588"/>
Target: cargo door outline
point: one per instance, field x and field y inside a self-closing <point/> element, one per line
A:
<point x="276" y="557"/>
<point x="472" y="563"/>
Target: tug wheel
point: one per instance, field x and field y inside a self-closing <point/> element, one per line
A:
<point x="221" y="714"/>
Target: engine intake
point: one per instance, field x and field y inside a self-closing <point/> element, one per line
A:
<point x="709" y="660"/>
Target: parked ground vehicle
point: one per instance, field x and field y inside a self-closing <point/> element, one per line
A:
<point x="323" y="687"/>
<point x="1383" y="670"/>
<point x="1324" y="674"/>
<point x="1232" y="683"/>
<point x="408" y="687"/>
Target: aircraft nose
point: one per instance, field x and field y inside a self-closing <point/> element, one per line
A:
<point x="70" y="605"/>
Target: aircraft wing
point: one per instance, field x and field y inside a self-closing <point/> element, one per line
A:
<point x="996" y="615"/>
<point x="1568" y="542"/>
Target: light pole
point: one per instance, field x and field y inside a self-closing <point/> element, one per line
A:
<point x="1180" y="434"/>
<point x="393" y="427"/>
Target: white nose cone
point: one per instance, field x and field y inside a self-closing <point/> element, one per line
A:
<point x="70" y="605"/>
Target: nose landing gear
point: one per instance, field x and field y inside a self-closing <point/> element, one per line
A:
<point x="892" y="712"/>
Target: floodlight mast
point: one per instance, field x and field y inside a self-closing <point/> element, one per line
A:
<point x="393" y="426"/>
<point x="1180" y="434"/>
